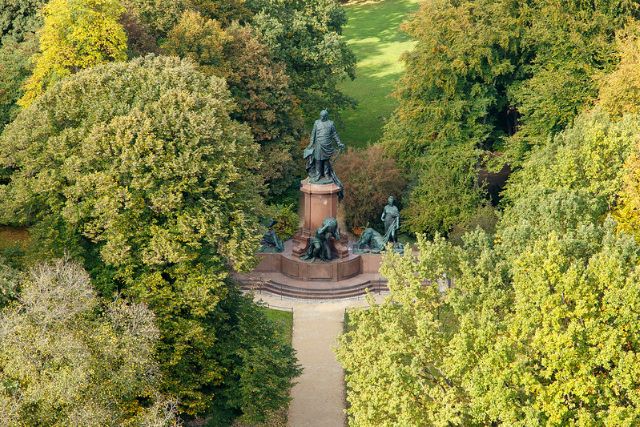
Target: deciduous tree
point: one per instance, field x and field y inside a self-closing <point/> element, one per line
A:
<point x="138" y="169"/>
<point x="259" y="85"/>
<point x="306" y="36"/>
<point x="65" y="358"/>
<point x="76" y="34"/>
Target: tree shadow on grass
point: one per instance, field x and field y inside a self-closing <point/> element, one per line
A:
<point x="373" y="33"/>
<point x="380" y="20"/>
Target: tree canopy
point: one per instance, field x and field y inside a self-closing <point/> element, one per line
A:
<point x="529" y="326"/>
<point x="138" y="169"/>
<point x="76" y="34"/>
<point x="489" y="78"/>
<point x="259" y="85"/>
<point x="65" y="358"/>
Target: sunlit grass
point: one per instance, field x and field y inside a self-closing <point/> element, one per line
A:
<point x="373" y="32"/>
<point x="283" y="320"/>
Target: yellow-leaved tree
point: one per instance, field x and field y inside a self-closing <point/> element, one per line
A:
<point x="620" y="95"/>
<point x="76" y="34"/>
<point x="620" y="89"/>
<point x="627" y="214"/>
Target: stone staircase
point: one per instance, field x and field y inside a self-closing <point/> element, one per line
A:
<point x="281" y="285"/>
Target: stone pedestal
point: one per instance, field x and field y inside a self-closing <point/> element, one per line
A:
<point x="320" y="202"/>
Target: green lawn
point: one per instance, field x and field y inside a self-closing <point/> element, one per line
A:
<point x="284" y="320"/>
<point x="373" y="32"/>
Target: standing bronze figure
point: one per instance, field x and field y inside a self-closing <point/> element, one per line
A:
<point x="391" y="219"/>
<point x="320" y="149"/>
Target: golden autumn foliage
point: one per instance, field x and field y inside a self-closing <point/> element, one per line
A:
<point x="620" y="90"/>
<point x="628" y="212"/>
<point x="76" y="34"/>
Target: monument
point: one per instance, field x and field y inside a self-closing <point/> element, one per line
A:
<point x="391" y="219"/>
<point x="320" y="245"/>
<point x="270" y="240"/>
<point x="317" y="262"/>
<point x="322" y="189"/>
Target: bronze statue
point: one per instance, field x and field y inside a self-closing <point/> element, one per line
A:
<point x="373" y="242"/>
<point x="320" y="243"/>
<point x="391" y="219"/>
<point x="270" y="240"/>
<point x="320" y="149"/>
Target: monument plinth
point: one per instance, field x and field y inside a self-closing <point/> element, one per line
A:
<point x="320" y="202"/>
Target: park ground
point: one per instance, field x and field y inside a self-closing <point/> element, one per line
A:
<point x="373" y="33"/>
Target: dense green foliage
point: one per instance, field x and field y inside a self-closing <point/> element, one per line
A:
<point x="537" y="328"/>
<point x="19" y="18"/>
<point x="620" y="89"/>
<point x="169" y="189"/>
<point x="137" y="169"/>
<point x="15" y="68"/>
<point x="545" y="340"/>
<point x="287" y="220"/>
<point x="490" y="76"/>
<point x="259" y="85"/>
<point x="67" y="359"/>
<point x="305" y="35"/>
<point x="302" y="35"/>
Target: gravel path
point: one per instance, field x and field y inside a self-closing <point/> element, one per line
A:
<point x="318" y="397"/>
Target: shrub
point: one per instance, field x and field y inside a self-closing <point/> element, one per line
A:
<point x="369" y="178"/>
<point x="485" y="218"/>
<point x="287" y="220"/>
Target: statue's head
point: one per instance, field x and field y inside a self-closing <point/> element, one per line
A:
<point x="391" y="200"/>
<point x="324" y="115"/>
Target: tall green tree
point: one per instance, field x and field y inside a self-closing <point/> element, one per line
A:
<point x="138" y="169"/>
<point x="259" y="85"/>
<point x="455" y="81"/>
<point x="306" y="36"/>
<point x="567" y="47"/>
<point x="536" y="327"/>
<point x="489" y="77"/>
<point x="544" y="339"/>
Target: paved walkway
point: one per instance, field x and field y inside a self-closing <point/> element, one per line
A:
<point x="318" y="397"/>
